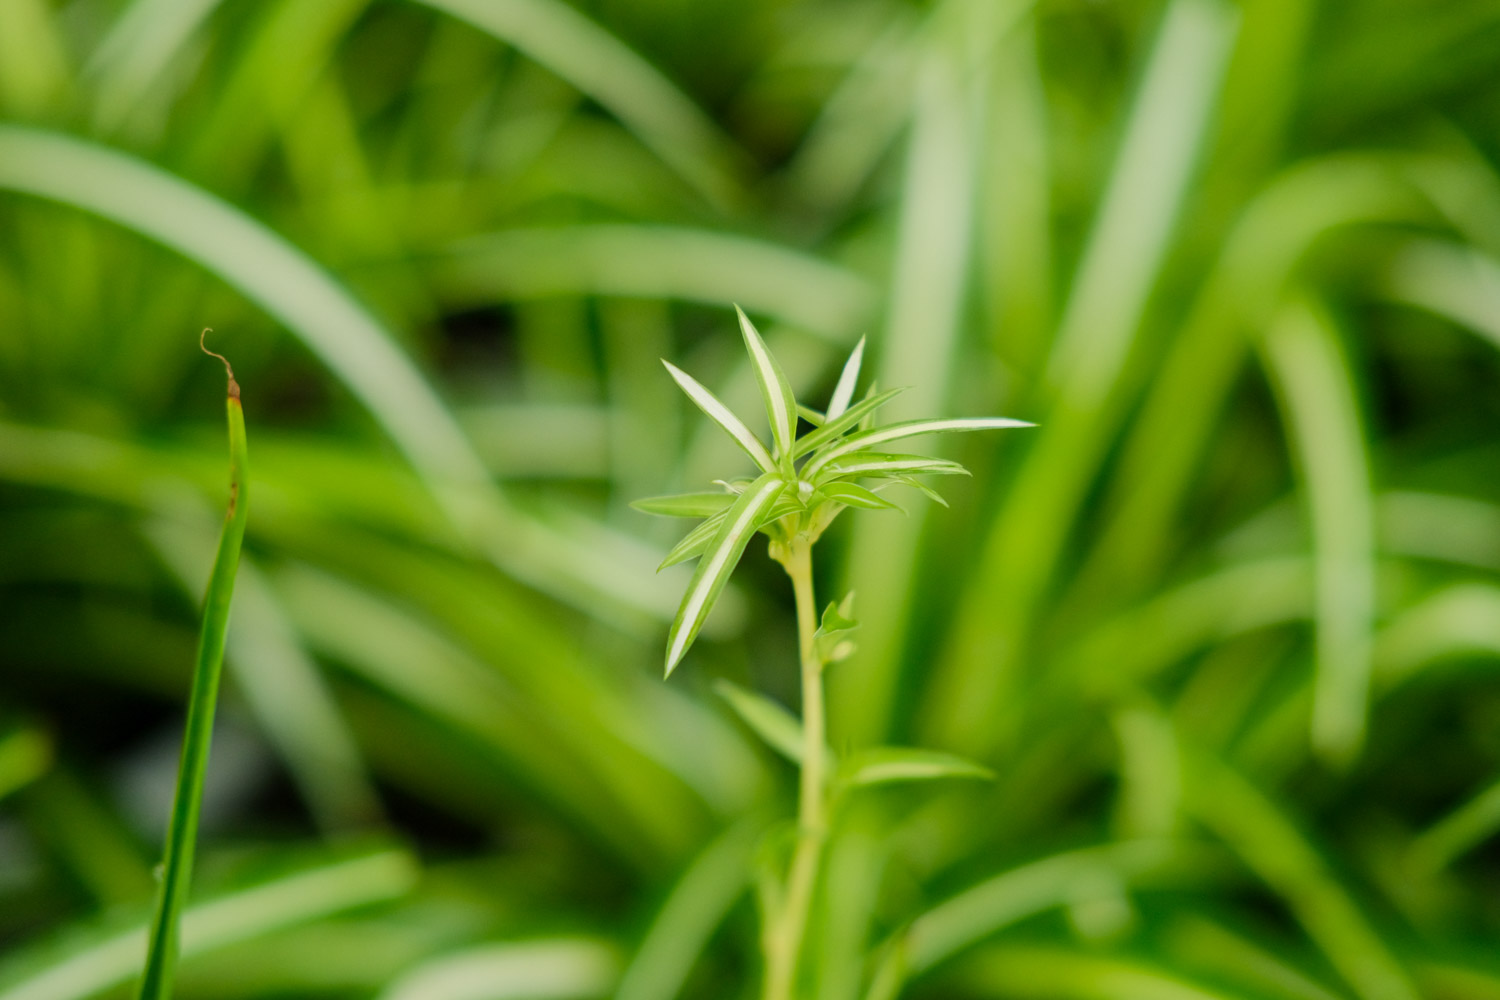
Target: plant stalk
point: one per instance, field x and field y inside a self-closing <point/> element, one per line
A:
<point x="785" y="938"/>
<point x="187" y="802"/>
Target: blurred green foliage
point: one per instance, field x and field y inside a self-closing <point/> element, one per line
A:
<point x="1223" y="626"/>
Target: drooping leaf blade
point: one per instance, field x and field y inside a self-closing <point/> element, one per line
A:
<point x="844" y="391"/>
<point x="770" y="720"/>
<point x="694" y="542"/>
<point x="723" y="416"/>
<point x="884" y="765"/>
<point x="811" y="415"/>
<point x="719" y="559"/>
<point x="836" y="426"/>
<point x="922" y="488"/>
<point x="781" y="404"/>
<point x="685" y="504"/>
<point x="854" y="495"/>
<point x="906" y="429"/>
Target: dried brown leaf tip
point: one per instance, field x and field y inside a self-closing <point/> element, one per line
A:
<point x="234" y="387"/>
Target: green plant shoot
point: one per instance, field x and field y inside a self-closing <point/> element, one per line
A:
<point x="802" y="484"/>
<point x="182" y="830"/>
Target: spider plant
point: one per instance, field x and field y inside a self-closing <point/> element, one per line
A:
<point x="801" y="485"/>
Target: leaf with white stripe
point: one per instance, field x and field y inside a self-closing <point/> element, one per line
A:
<point x="781" y="405"/>
<point x="694" y="542"/>
<point x="723" y="416"/>
<point x="893" y="466"/>
<point x="922" y="488"/>
<point x="906" y="429"/>
<point x="854" y="495"/>
<point x="834" y="427"/>
<point x="844" y="391"/>
<point x="685" y="504"/>
<point x="719" y="559"/>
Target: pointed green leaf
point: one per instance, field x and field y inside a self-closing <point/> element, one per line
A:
<point x="906" y="429"/>
<point x="844" y="391"/>
<point x="883" y="765"/>
<point x="781" y="405"/>
<point x="811" y="415"/>
<point x="718" y="561"/>
<point x="685" y="504"/>
<point x="694" y="542"/>
<point x="771" y="721"/>
<point x="923" y="488"/>
<point x="854" y="495"/>
<point x="723" y="416"/>
<point x="784" y="506"/>
<point x="831" y="639"/>
<point x="834" y="427"/>
<point x="892" y="466"/>
<point x="838" y="617"/>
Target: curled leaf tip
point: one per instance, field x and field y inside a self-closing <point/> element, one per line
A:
<point x="234" y="387"/>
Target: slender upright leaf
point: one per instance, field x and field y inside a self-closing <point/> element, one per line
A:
<point x="723" y="416"/>
<point x="182" y="831"/>
<point x="781" y="404"/>
<point x="835" y="426"/>
<point x="844" y="391"/>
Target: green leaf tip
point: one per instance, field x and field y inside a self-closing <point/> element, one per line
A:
<point x="775" y="390"/>
<point x="723" y="416"/>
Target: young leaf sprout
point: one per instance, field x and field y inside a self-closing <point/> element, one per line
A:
<point x="801" y="485"/>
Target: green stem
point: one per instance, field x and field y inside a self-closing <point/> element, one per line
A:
<point x="785" y="937"/>
<point x="182" y="832"/>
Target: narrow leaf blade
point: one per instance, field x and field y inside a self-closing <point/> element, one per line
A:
<point x="685" y="504"/>
<point x="906" y="429"/>
<point x="694" y="542"/>
<point x="892" y="466"/>
<point x="771" y="721"/>
<point x="844" y="391"/>
<point x="718" y="562"/>
<point x="885" y="765"/>
<point x="781" y="404"/>
<point x="854" y="495"/>
<point x="834" y="427"/>
<point x="723" y="416"/>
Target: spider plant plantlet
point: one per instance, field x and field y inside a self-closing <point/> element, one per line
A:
<point x="187" y="802"/>
<point x="801" y="485"/>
